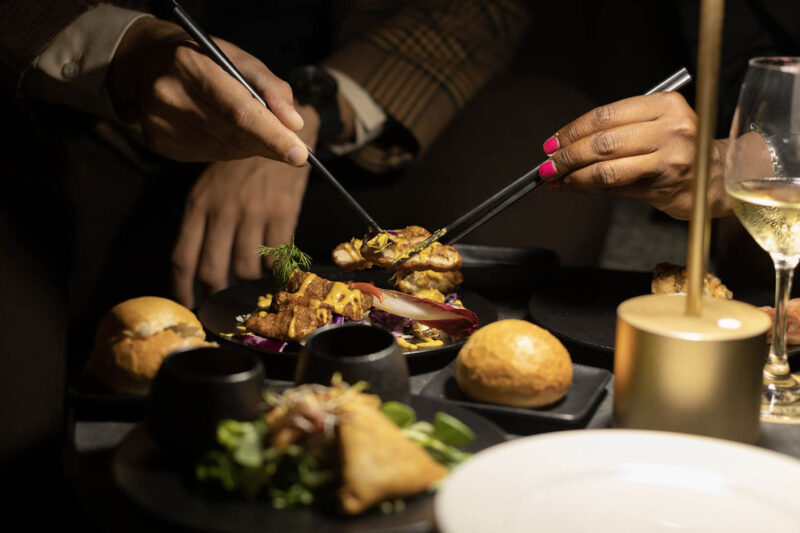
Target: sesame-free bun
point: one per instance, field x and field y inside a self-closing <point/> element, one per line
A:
<point x="135" y="336"/>
<point x="515" y="363"/>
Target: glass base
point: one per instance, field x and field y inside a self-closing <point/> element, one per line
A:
<point x="780" y="400"/>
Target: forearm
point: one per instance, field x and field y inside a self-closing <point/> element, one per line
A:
<point x="27" y="27"/>
<point x="471" y="41"/>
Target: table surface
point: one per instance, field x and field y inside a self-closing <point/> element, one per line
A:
<point x="89" y="451"/>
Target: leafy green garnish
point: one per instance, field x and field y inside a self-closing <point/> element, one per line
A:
<point x="451" y="430"/>
<point x="399" y="413"/>
<point x="288" y="258"/>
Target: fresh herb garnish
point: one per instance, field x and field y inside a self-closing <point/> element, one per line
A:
<point x="288" y="258"/>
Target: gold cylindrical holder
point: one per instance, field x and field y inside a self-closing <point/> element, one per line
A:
<point x="691" y="374"/>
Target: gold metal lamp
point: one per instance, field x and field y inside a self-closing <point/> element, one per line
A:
<point x="691" y="363"/>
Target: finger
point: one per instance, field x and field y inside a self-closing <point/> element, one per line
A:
<point x="275" y="91"/>
<point x="623" y="141"/>
<point x="615" y="173"/>
<point x="246" y="261"/>
<point x="627" y="111"/>
<point x="186" y="253"/>
<point x="215" y="258"/>
<point x="257" y="130"/>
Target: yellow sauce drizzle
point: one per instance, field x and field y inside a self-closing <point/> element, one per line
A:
<point x="262" y="313"/>
<point x="305" y="283"/>
<point x="405" y="344"/>
<point x="340" y="296"/>
<point x="265" y="301"/>
<point x="292" y="332"/>
<point x="351" y="248"/>
<point x="429" y="344"/>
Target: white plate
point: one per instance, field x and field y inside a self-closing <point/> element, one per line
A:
<point x="621" y="481"/>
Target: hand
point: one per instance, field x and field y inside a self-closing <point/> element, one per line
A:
<point x="641" y="147"/>
<point x="192" y="110"/>
<point x="234" y="207"/>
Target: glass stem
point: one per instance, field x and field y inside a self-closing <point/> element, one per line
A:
<point x="777" y="368"/>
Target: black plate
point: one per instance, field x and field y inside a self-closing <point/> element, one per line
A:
<point x="141" y="471"/>
<point x="218" y="314"/>
<point x="579" y="306"/>
<point x="571" y="412"/>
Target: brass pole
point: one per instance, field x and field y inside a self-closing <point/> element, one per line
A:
<point x="708" y="59"/>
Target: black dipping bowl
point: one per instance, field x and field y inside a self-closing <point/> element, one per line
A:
<point x="358" y="352"/>
<point x="195" y="389"/>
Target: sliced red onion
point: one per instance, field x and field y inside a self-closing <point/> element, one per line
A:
<point x="454" y="321"/>
<point x="451" y="298"/>
<point x="264" y="342"/>
<point x="389" y="320"/>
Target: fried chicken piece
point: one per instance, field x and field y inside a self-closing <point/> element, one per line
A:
<point x="378" y="462"/>
<point x="413" y="281"/>
<point x="673" y="279"/>
<point x="292" y="322"/>
<point x="347" y="256"/>
<point x="309" y="290"/>
<point x="792" y="321"/>
<point x="384" y="248"/>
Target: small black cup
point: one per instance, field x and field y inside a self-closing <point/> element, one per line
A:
<point x="358" y="352"/>
<point x="195" y="389"/>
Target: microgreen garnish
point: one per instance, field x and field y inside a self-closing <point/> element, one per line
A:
<point x="288" y="258"/>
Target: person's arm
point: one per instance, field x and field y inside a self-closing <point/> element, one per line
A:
<point x="424" y="63"/>
<point x="642" y="147"/>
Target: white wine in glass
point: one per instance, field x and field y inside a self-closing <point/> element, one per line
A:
<point x="762" y="178"/>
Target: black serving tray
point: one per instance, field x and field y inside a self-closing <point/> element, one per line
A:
<point x="144" y="473"/>
<point x="571" y="412"/>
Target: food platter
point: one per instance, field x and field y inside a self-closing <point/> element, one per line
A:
<point x="620" y="480"/>
<point x="579" y="305"/>
<point x="571" y="412"/>
<point x="144" y="474"/>
<point x="218" y="315"/>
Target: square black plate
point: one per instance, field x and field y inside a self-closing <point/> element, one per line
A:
<point x="571" y="412"/>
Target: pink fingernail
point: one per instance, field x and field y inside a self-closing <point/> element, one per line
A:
<point x="550" y="145"/>
<point x="295" y="156"/>
<point x="547" y="170"/>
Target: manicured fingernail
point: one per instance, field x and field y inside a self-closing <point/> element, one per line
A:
<point x="547" y="170"/>
<point x="550" y="145"/>
<point x="296" y="155"/>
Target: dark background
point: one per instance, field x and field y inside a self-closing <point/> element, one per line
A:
<point x="81" y="229"/>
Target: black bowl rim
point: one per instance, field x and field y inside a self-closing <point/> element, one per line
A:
<point x="256" y="369"/>
<point x="365" y="358"/>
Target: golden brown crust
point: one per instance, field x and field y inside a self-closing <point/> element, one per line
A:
<point x="379" y="462"/>
<point x="291" y="323"/>
<point x="673" y="279"/>
<point x="410" y="282"/>
<point x="347" y="256"/>
<point x="513" y="362"/>
<point x="135" y="336"/>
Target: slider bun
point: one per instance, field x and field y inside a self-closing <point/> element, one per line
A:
<point x="515" y="363"/>
<point x="135" y="336"/>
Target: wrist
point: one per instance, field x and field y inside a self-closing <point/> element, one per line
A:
<point x="127" y="67"/>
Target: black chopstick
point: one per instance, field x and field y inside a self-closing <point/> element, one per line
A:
<point x="211" y="48"/>
<point x="514" y="191"/>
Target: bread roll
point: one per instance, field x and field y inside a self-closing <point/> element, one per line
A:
<point x="135" y="336"/>
<point x="515" y="363"/>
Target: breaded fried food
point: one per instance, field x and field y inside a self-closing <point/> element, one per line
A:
<point x="347" y="256"/>
<point x="378" y="462"/>
<point x="384" y="248"/>
<point x="310" y="290"/>
<point x="292" y="322"/>
<point x="413" y="281"/>
<point x="673" y="279"/>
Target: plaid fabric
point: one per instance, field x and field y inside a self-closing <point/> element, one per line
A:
<point x="423" y="64"/>
<point x="26" y="28"/>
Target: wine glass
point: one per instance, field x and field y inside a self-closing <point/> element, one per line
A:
<point x="762" y="178"/>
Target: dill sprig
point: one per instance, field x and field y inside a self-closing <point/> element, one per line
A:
<point x="288" y="258"/>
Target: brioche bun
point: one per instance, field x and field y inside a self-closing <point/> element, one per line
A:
<point x="515" y="363"/>
<point x="135" y="336"/>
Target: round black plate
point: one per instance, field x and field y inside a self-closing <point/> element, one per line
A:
<point x="143" y="474"/>
<point x="218" y="314"/>
<point x="580" y="304"/>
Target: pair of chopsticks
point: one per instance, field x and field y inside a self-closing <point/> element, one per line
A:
<point x="510" y="194"/>
<point x="211" y="48"/>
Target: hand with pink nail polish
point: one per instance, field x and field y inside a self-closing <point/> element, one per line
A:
<point x="189" y="109"/>
<point x="640" y="147"/>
